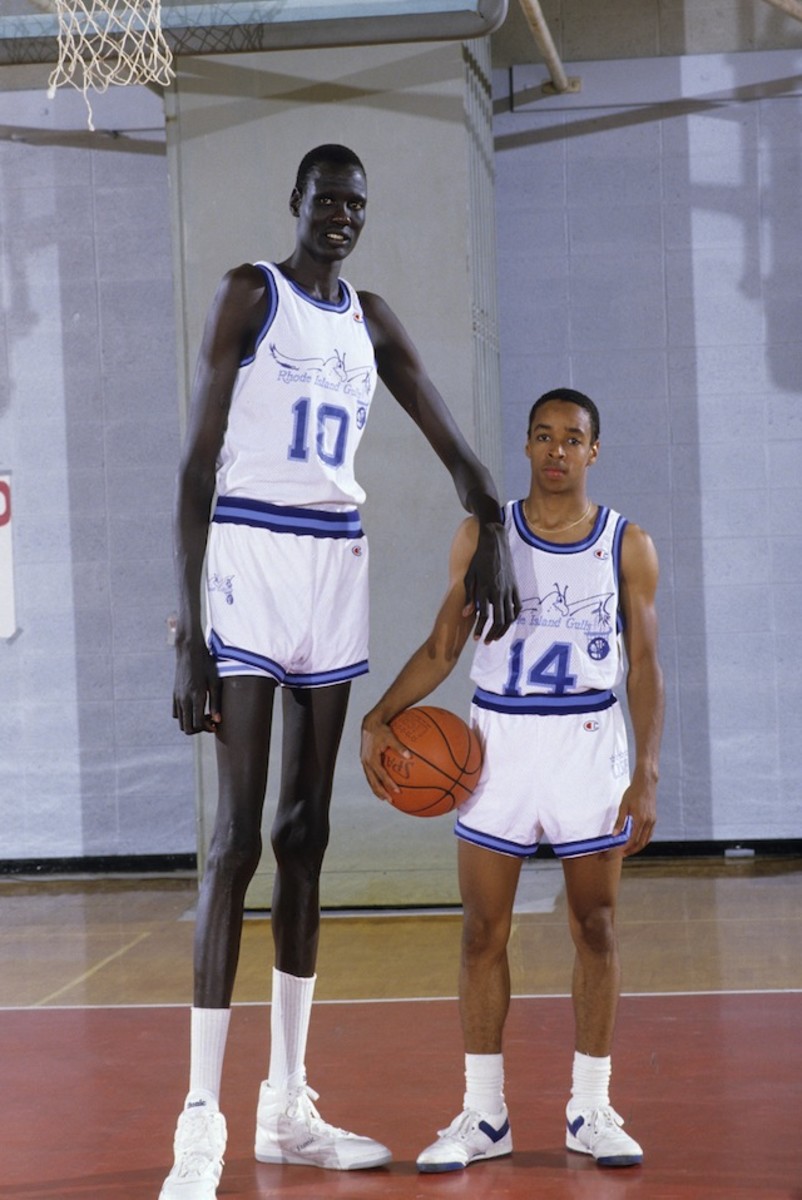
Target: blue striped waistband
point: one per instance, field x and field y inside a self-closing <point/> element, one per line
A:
<point x="283" y="518"/>
<point x="545" y="705"/>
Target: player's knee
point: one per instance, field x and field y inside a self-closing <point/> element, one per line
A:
<point x="483" y="936"/>
<point x="594" y="930"/>
<point x="299" y="843"/>
<point x="234" y="854"/>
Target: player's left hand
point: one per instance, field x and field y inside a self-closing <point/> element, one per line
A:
<point x="490" y="586"/>
<point x="639" y="802"/>
<point x="376" y="738"/>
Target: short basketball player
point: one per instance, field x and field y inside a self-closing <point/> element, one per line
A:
<point x="556" y="767"/>
<point x="281" y="396"/>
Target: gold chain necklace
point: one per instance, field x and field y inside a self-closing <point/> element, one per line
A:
<point x="561" y="528"/>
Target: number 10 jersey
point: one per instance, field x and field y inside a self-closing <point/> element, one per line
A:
<point x="300" y="402"/>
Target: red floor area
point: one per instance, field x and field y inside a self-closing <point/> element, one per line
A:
<point x="710" y="1085"/>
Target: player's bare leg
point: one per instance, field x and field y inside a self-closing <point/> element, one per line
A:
<point x="242" y="746"/>
<point x="487" y="882"/>
<point x="313" y="725"/>
<point x="591" y="883"/>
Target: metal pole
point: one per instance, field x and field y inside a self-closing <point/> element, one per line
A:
<point x="542" y="35"/>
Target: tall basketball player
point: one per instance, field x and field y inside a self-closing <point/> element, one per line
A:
<point x="556" y="766"/>
<point x="282" y="392"/>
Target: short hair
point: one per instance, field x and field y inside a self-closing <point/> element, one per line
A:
<point x="330" y="152"/>
<point x="570" y="396"/>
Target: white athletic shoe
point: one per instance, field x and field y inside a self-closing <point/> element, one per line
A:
<point x="289" y="1129"/>
<point x="471" y="1137"/>
<point x="200" y="1143"/>
<point x="599" y="1132"/>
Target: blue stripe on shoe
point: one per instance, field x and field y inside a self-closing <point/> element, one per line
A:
<point x="495" y="1135"/>
<point x="575" y="1126"/>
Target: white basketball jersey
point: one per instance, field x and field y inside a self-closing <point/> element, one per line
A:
<point x="567" y="638"/>
<point x="300" y="402"/>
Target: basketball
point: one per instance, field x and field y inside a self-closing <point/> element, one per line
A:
<point x="445" y="764"/>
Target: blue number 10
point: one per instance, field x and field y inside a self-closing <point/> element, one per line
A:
<point x="331" y="434"/>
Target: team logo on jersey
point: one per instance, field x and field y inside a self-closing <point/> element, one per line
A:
<point x="224" y="584"/>
<point x="591" y="725"/>
<point x="332" y="373"/>
<point x="598" y="648"/>
<point x="589" y="614"/>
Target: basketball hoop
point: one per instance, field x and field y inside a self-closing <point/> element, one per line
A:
<point x="105" y="42"/>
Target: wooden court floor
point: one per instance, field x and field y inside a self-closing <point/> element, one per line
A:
<point x="96" y="980"/>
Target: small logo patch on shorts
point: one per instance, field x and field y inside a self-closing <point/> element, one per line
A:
<point x="591" y="725"/>
<point x="224" y="584"/>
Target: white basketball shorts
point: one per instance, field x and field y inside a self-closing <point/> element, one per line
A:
<point x="556" y="777"/>
<point x="287" y="592"/>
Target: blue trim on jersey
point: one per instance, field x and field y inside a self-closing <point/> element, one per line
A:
<point x="593" y="845"/>
<point x="618" y="538"/>
<point x="340" y="305"/>
<point x="229" y="656"/>
<point x="270" y="316"/>
<point x="544" y="705"/>
<point x="557" y="547"/>
<point x="284" y="518"/>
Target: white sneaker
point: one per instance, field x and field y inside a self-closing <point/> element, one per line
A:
<point x="289" y="1129"/>
<point x="471" y="1137"/>
<point x="200" y="1143"/>
<point x="599" y="1132"/>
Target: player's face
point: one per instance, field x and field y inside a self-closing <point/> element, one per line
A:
<point x="559" y="445"/>
<point x="330" y="211"/>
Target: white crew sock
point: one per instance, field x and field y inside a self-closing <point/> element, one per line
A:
<point x="208" y="1033"/>
<point x="484" y="1083"/>
<point x="290" y="1012"/>
<point x="590" y="1081"/>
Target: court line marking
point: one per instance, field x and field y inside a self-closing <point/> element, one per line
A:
<point x="88" y="975"/>
<point x="39" y="1005"/>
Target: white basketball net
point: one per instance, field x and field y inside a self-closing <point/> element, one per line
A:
<point x="104" y="42"/>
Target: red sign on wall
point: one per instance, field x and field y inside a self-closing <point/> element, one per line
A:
<point x="8" y="616"/>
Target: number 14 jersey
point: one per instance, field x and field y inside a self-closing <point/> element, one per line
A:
<point x="567" y="638"/>
<point x="301" y="401"/>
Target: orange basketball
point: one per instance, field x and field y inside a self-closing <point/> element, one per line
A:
<point x="445" y="764"/>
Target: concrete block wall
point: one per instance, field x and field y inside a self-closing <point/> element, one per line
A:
<point x="90" y="764"/>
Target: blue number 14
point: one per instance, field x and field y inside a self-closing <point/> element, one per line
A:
<point x="550" y="671"/>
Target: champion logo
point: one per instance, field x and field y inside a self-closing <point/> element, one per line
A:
<point x="601" y="554"/>
<point x="591" y="725"/>
<point x="356" y="551"/>
<point x="358" y="317"/>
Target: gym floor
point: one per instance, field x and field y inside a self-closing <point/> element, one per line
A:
<point x="94" y="996"/>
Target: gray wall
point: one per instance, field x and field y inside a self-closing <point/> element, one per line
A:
<point x="89" y="763"/>
<point x="649" y="254"/>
